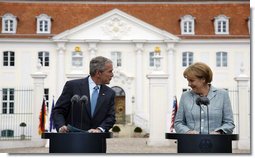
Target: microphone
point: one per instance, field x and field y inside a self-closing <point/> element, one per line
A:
<point x="75" y="99"/>
<point x="84" y="101"/>
<point x="203" y="101"/>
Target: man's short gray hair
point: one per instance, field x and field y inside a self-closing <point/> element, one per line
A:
<point x="98" y="64"/>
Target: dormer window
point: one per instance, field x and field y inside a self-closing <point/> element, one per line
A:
<point x="43" y="24"/>
<point x="187" y="25"/>
<point x="9" y="23"/>
<point x="221" y="25"/>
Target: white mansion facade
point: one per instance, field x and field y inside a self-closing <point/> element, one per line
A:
<point x="130" y="43"/>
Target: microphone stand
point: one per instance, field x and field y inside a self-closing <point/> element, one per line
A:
<point x="81" y="113"/>
<point x="198" y="102"/>
<point x="84" y="102"/>
<point x="205" y="101"/>
<point x="74" y="100"/>
<point x="208" y="118"/>
<point x="72" y="112"/>
<point x="200" y="132"/>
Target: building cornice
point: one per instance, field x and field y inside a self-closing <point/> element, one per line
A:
<point x="215" y="41"/>
<point x="25" y="40"/>
<point x="181" y="41"/>
<point x="132" y="2"/>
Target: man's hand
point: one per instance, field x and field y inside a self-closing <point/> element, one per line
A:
<point x="63" y="129"/>
<point x="97" y="130"/>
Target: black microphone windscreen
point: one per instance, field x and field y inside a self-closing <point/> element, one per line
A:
<point x="75" y="98"/>
<point x="84" y="99"/>
<point x="198" y="101"/>
<point x="205" y="101"/>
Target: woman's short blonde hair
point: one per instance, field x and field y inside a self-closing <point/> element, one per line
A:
<point x="199" y="70"/>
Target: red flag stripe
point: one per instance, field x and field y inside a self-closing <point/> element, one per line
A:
<point x="173" y="114"/>
<point x="42" y="118"/>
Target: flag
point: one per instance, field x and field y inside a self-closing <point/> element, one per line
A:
<point x="174" y="111"/>
<point x="42" y="118"/>
<point x="51" y="117"/>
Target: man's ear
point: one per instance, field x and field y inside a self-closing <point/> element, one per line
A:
<point x="98" y="73"/>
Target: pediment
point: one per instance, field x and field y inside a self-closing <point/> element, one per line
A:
<point x="115" y="25"/>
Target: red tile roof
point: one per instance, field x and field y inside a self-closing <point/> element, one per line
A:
<point x="165" y="16"/>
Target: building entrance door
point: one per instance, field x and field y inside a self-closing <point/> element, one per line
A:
<point x="119" y="105"/>
<point x="120" y="109"/>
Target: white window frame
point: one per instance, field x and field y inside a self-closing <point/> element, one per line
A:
<point x="46" y="97"/>
<point x="43" y="24"/>
<point x="221" y="59"/>
<point x="116" y="57"/>
<point x="9" y="102"/>
<point x="9" y="23"/>
<point x="221" y="25"/>
<point x="9" y="59"/>
<point x="189" y="58"/>
<point x="43" y="57"/>
<point x="77" y="59"/>
<point x="151" y="59"/>
<point x="188" y="25"/>
<point x="7" y="133"/>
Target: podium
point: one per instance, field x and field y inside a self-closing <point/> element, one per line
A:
<point x="77" y="142"/>
<point x="203" y="143"/>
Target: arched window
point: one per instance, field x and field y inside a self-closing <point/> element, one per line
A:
<point x="9" y="23"/>
<point x="118" y="91"/>
<point x="187" y="25"/>
<point x="221" y="24"/>
<point x="43" y="24"/>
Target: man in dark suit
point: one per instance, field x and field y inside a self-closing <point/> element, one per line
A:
<point x="98" y="115"/>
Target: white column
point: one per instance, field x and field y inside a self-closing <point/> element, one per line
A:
<point x="37" y="101"/>
<point x="60" y="72"/>
<point x="244" y="111"/>
<point x="139" y="75"/>
<point x="158" y="103"/>
<point x="171" y="84"/>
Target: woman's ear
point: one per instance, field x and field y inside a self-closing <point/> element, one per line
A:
<point x="204" y="80"/>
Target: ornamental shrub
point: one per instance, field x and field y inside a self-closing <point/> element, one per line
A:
<point x="116" y="129"/>
<point x="138" y="130"/>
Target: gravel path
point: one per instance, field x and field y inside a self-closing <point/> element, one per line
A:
<point x="119" y="146"/>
